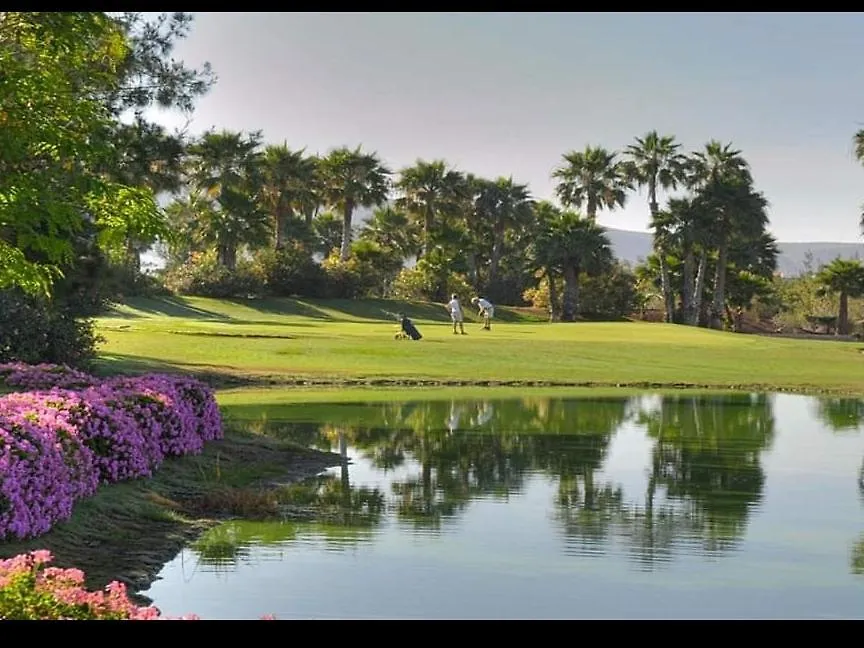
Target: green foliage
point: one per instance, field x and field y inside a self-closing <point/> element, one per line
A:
<point x="203" y="275"/>
<point x="34" y="329"/>
<point x="368" y="272"/>
<point x="289" y="271"/>
<point x="429" y="282"/>
<point x="609" y="295"/>
<point x="59" y="70"/>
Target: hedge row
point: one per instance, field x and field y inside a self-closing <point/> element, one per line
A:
<point x="74" y="431"/>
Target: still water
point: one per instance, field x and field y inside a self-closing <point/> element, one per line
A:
<point x="657" y="507"/>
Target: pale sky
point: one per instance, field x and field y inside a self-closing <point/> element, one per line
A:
<point x="509" y="93"/>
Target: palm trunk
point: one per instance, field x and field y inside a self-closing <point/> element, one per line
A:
<point x="497" y="246"/>
<point x="666" y="287"/>
<point x="591" y="209"/>
<point x="843" y="316"/>
<point x="571" y="293"/>
<point x="428" y="224"/>
<point x="719" y="301"/>
<point x="553" y="296"/>
<point x="348" y="213"/>
<point x="280" y="229"/>
<point x="699" y="288"/>
<point x="665" y="284"/>
<point x="687" y="289"/>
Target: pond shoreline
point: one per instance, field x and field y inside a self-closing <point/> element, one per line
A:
<point x="228" y="380"/>
<point x="128" y="531"/>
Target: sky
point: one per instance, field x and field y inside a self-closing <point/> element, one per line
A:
<point x="501" y="94"/>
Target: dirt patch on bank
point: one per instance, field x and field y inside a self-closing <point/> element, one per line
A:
<point x="129" y="531"/>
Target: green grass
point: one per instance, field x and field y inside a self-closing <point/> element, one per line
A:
<point x="334" y="341"/>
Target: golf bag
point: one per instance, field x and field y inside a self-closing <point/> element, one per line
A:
<point x="407" y="329"/>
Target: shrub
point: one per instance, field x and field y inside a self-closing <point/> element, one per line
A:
<point x="288" y="271"/>
<point x="56" y="445"/>
<point x="203" y="276"/>
<point x="418" y="283"/>
<point x="37" y="330"/>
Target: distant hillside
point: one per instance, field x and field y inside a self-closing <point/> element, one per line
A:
<point x="635" y="246"/>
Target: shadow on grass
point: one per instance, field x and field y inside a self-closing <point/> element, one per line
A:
<point x="112" y="364"/>
<point x="379" y="310"/>
<point x="167" y="306"/>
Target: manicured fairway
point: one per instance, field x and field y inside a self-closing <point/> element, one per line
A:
<point x="344" y="340"/>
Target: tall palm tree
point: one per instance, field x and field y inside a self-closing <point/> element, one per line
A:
<point x="683" y="226"/>
<point x="593" y="178"/>
<point x="656" y="163"/>
<point x="428" y="191"/>
<point x="582" y="242"/>
<point x="546" y="252"/>
<point x="510" y="205"/>
<point x="289" y="180"/>
<point x="353" y="179"/>
<point x="722" y="177"/>
<point x="846" y="277"/>
<point x="225" y="166"/>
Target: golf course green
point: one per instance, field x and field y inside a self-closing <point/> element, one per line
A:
<point x="339" y="343"/>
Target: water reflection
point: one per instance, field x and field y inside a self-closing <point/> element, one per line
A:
<point x="576" y="504"/>
<point x="704" y="480"/>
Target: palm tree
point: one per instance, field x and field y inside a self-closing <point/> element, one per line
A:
<point x="655" y="163"/>
<point x="509" y="205"/>
<point x="545" y="250"/>
<point x="353" y="179"/>
<point x="581" y="243"/>
<point x="846" y="277"/>
<point x="722" y="176"/>
<point x="593" y="178"/>
<point x="429" y="190"/>
<point x="392" y="229"/>
<point x="289" y="182"/>
<point x="226" y="168"/>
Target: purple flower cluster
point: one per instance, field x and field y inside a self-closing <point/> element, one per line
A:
<point x="57" y="444"/>
<point x="44" y="376"/>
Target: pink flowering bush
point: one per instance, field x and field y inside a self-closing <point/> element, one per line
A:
<point x="32" y="590"/>
<point x="58" y="444"/>
<point x="44" y="376"/>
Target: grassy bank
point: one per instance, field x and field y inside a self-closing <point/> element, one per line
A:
<point x="342" y="342"/>
<point x="129" y="530"/>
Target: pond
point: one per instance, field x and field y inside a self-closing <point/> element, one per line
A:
<point x="674" y="506"/>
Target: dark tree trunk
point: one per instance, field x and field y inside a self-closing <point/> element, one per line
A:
<point x="843" y="315"/>
<point x="688" y="288"/>
<point x="719" y="302"/>
<point x="571" y="294"/>
<point x="699" y="289"/>
<point x="347" y="214"/>
<point x="554" y="314"/>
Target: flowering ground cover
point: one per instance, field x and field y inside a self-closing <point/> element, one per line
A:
<point x="71" y="432"/>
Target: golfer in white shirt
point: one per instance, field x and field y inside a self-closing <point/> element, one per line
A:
<point x="455" y="309"/>
<point x="487" y="311"/>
